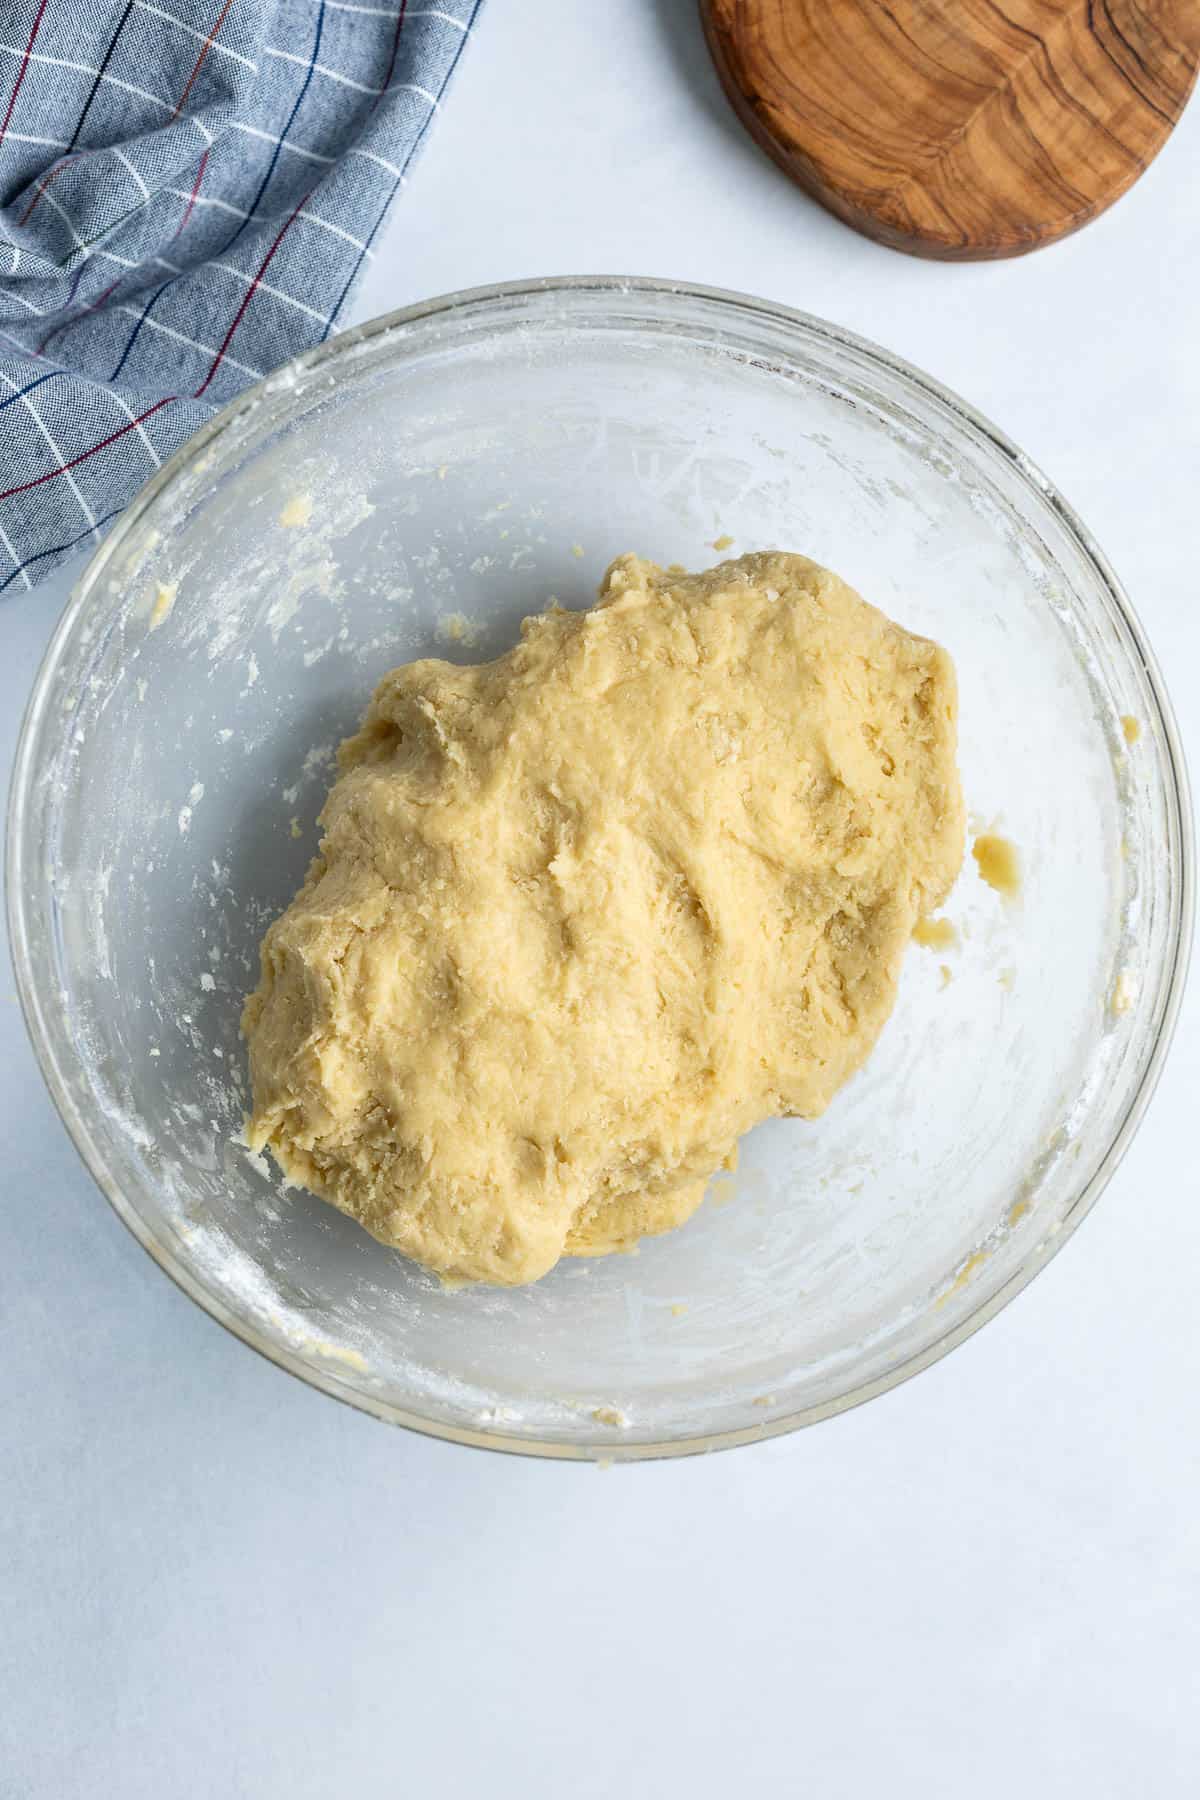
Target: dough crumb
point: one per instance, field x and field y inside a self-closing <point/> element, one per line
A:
<point x="456" y="628"/>
<point x="164" y="600"/>
<point x="611" y="1415"/>
<point x="297" y="513"/>
<point x="998" y="863"/>
<point x="723" y="542"/>
<point x="582" y="916"/>
<point x="294" y="826"/>
<point x="935" y="934"/>
<point x="1124" y="994"/>
<point x="947" y="975"/>
<point x="722" y="1189"/>
<point x="1131" y="727"/>
<point x="677" y="1312"/>
<point x="353" y="1359"/>
<point x="577" y="550"/>
<point x="973" y="1262"/>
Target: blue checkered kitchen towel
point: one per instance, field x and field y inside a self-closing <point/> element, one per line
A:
<point x="188" y="191"/>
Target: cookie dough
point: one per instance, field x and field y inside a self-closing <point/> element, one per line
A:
<point x="584" y="915"/>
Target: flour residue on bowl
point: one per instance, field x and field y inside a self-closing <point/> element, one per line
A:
<point x="187" y="811"/>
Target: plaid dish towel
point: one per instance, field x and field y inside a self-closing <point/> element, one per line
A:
<point x="188" y="191"/>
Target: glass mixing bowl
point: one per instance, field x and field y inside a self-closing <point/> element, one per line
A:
<point x="413" y="488"/>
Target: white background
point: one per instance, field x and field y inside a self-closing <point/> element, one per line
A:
<point x="214" y="1583"/>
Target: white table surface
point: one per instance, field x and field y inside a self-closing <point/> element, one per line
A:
<point x="215" y="1583"/>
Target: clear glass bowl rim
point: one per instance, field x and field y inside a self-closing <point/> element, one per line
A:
<point x="327" y="356"/>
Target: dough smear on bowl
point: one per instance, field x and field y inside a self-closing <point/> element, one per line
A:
<point x="583" y="915"/>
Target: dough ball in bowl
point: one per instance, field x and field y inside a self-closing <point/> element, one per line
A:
<point x="584" y="915"/>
